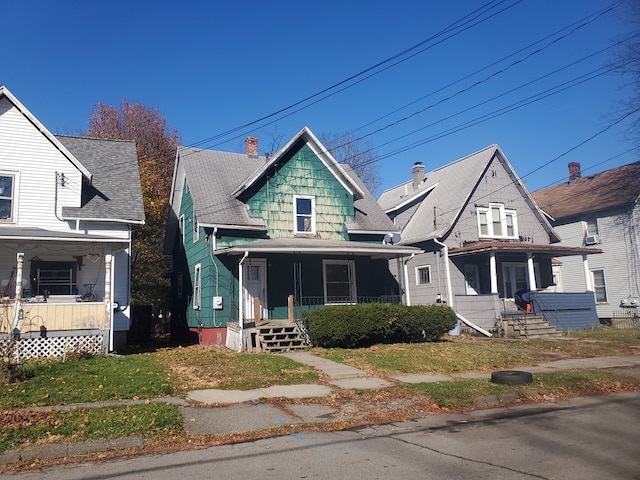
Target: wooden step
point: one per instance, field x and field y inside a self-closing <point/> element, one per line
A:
<point x="280" y="336"/>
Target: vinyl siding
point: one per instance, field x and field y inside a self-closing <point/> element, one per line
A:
<point x="620" y="261"/>
<point x="27" y="153"/>
<point x="497" y="187"/>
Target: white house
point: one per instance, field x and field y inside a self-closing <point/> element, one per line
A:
<point x="67" y="205"/>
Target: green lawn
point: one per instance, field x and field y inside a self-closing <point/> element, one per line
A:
<point x="174" y="371"/>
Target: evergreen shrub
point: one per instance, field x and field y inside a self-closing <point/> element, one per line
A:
<point x="355" y="326"/>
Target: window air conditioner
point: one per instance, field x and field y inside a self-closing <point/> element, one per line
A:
<point x="591" y="239"/>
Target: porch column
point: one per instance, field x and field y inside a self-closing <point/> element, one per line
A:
<point x="108" y="258"/>
<point x="532" y="273"/>
<point x="493" y="272"/>
<point x="587" y="274"/>
<point x="19" y="267"/>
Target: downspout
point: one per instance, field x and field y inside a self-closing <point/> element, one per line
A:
<point x="446" y="270"/>
<point x="240" y="295"/>
<point x="407" y="297"/>
<point x="213" y="262"/>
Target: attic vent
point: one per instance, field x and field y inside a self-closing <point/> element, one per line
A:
<point x="591" y="240"/>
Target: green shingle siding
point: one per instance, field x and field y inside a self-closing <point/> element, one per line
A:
<point x="304" y="174"/>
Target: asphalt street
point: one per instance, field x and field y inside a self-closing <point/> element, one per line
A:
<point x="585" y="438"/>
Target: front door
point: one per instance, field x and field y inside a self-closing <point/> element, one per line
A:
<point x="255" y="287"/>
<point x="471" y="280"/>
<point x="515" y="278"/>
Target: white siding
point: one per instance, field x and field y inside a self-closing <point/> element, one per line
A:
<point x="25" y="151"/>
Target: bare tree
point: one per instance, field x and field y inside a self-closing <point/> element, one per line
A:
<point x="627" y="63"/>
<point x="358" y="154"/>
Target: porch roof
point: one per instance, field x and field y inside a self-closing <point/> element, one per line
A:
<point x="41" y="235"/>
<point x="313" y="246"/>
<point x="510" y="247"/>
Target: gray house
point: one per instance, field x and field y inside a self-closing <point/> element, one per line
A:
<point x="601" y="212"/>
<point x="484" y="239"/>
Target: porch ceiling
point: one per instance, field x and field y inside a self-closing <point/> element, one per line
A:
<point x="313" y="246"/>
<point x="509" y="247"/>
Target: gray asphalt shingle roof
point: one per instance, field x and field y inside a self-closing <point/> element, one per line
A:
<point x="115" y="191"/>
<point x="447" y="188"/>
<point x="214" y="176"/>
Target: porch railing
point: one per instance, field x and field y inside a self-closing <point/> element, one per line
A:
<point x="55" y="317"/>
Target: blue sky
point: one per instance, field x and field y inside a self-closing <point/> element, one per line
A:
<point x="210" y="67"/>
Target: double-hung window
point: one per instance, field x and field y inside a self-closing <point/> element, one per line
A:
<point x="339" y="281"/>
<point x="423" y="275"/>
<point x="7" y="197"/>
<point x="495" y="221"/>
<point x="599" y="286"/>
<point x="304" y="215"/>
<point x="197" y="286"/>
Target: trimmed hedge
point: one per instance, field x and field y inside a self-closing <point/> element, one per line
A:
<point x="355" y="326"/>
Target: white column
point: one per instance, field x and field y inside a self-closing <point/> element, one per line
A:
<point x="19" y="267"/>
<point x="587" y="274"/>
<point x="532" y="273"/>
<point x="494" y="272"/>
<point x="108" y="259"/>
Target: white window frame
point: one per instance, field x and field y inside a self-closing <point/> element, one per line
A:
<point x="599" y="288"/>
<point x="196" y="229"/>
<point x="351" y="280"/>
<point x="594" y="221"/>
<point x="311" y="216"/>
<point x="491" y="223"/>
<point x="419" y="269"/>
<point x="12" y="198"/>
<point x="197" y="286"/>
<point x="182" y="232"/>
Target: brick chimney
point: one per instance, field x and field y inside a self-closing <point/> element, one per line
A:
<point x="574" y="172"/>
<point x="418" y="174"/>
<point x="251" y="146"/>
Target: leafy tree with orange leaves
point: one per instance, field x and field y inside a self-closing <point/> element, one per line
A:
<point x="156" y="146"/>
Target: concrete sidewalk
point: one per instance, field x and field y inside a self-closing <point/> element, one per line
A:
<point x="218" y="412"/>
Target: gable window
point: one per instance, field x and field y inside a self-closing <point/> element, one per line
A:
<point x="339" y="281"/>
<point x="7" y="197"/>
<point x="423" y="275"/>
<point x="495" y="221"/>
<point x="304" y="213"/>
<point x="197" y="286"/>
<point x="599" y="286"/>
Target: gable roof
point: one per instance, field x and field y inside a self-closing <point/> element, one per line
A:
<point x="322" y="153"/>
<point x="217" y="180"/>
<point x="4" y="92"/>
<point x="448" y="189"/>
<point x="115" y="193"/>
<point x="609" y="189"/>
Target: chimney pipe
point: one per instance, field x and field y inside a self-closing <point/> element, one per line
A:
<point x="418" y="174"/>
<point x="251" y="146"/>
<point x="574" y="172"/>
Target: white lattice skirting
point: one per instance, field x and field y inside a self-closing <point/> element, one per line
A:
<point x="53" y="346"/>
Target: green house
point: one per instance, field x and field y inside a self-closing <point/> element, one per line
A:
<point x="258" y="239"/>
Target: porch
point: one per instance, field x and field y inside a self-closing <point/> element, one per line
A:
<point x="562" y="311"/>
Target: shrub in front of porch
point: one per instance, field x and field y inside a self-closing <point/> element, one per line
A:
<point x="355" y="326"/>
